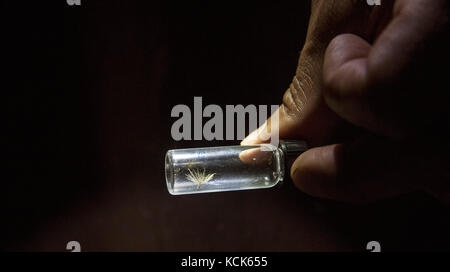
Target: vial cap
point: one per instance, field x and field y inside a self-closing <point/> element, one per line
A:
<point x="292" y="149"/>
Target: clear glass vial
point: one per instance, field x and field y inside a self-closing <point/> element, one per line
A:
<point x="228" y="168"/>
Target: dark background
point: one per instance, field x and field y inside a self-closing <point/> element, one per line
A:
<point x="88" y="94"/>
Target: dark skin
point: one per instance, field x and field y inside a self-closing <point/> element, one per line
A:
<point x="369" y="95"/>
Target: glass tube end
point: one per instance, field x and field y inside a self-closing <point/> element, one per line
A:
<point x="170" y="177"/>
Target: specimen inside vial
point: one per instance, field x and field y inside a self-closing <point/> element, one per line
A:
<point x="226" y="168"/>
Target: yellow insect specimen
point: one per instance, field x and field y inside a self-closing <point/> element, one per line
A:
<point x="199" y="177"/>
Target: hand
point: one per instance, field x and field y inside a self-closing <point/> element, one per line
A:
<point x="368" y="95"/>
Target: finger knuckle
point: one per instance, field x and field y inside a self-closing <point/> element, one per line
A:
<point x="295" y="98"/>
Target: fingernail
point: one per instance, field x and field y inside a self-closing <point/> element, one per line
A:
<point x="254" y="137"/>
<point x="251" y="138"/>
<point x="255" y="156"/>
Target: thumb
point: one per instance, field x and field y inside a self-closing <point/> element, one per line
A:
<point x="357" y="172"/>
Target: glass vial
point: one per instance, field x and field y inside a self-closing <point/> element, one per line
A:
<point x="228" y="168"/>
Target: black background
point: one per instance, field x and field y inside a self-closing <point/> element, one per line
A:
<point x="88" y="94"/>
